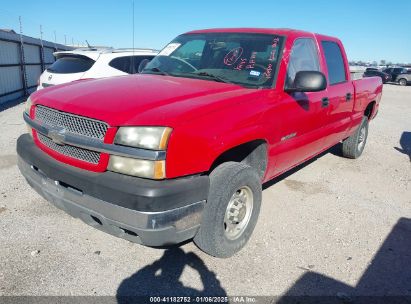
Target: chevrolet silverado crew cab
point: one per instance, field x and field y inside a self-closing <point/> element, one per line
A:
<point x="181" y="150"/>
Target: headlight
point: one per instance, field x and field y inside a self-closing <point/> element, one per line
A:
<point x="153" y="138"/>
<point x="28" y="106"/>
<point x="137" y="167"/>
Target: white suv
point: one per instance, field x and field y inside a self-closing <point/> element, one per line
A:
<point x="94" y="63"/>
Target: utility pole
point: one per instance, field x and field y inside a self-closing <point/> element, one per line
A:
<point x="55" y="40"/>
<point x="23" y="61"/>
<point x="41" y="49"/>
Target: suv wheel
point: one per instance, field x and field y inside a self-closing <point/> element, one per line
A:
<point x="232" y="210"/>
<point x="402" y="82"/>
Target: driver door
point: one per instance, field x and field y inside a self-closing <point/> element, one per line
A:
<point x="301" y="114"/>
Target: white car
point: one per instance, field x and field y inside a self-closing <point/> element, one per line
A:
<point x="94" y="63"/>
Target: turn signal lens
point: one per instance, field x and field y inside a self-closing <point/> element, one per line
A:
<point x="137" y="167"/>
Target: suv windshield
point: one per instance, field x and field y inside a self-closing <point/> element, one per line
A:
<point x="247" y="59"/>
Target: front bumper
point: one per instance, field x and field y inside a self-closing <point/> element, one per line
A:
<point x="172" y="222"/>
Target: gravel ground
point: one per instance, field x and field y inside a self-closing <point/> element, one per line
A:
<point x="332" y="227"/>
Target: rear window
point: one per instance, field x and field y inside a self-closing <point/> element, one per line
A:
<point x="128" y="64"/>
<point x="335" y="62"/>
<point x="71" y="64"/>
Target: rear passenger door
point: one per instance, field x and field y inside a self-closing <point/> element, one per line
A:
<point x="340" y="93"/>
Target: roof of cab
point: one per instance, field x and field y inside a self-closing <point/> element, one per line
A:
<point x="279" y="31"/>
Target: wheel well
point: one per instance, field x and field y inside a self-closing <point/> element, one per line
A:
<point x="253" y="153"/>
<point x="369" y="109"/>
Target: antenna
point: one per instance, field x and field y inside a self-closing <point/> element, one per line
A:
<point x="132" y="58"/>
<point x="55" y="40"/>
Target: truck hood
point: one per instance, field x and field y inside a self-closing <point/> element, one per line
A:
<point x="139" y="99"/>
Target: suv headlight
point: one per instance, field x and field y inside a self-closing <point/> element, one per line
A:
<point x="152" y="138"/>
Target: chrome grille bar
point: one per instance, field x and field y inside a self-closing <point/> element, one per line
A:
<point x="93" y="144"/>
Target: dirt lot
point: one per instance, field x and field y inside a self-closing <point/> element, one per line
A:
<point x="333" y="227"/>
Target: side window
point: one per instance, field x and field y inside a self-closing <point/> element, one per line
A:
<point x="304" y="57"/>
<point x="335" y="62"/>
<point x="136" y="61"/>
<point x="128" y="64"/>
<point x="121" y="63"/>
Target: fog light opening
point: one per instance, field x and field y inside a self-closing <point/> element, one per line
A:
<point x="129" y="232"/>
<point x="97" y="220"/>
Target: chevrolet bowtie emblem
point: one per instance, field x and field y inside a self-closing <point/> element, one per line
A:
<point x="57" y="136"/>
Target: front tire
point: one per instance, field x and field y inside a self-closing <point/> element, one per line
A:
<point x="231" y="211"/>
<point x="402" y="82"/>
<point x="354" y="145"/>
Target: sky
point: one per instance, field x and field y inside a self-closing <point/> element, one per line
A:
<point x="370" y="30"/>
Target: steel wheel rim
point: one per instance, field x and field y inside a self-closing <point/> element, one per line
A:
<point x="238" y="212"/>
<point x="402" y="82"/>
<point x="361" y="138"/>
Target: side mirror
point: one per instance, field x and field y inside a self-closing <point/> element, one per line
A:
<point x="308" y="81"/>
<point x="142" y="65"/>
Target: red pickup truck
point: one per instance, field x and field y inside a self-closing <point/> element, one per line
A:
<point x="181" y="150"/>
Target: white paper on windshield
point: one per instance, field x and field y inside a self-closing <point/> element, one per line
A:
<point x="169" y="49"/>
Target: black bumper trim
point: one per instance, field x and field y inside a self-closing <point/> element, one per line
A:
<point x="118" y="189"/>
<point x="149" y="228"/>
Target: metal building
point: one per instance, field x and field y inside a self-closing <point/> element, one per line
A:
<point x="22" y="60"/>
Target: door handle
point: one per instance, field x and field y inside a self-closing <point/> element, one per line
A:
<point x="325" y="102"/>
<point x="348" y="96"/>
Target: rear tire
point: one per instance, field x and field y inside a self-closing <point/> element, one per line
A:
<point x="354" y="145"/>
<point x="402" y="82"/>
<point x="231" y="211"/>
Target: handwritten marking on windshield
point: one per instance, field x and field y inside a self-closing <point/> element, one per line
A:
<point x="251" y="62"/>
<point x="233" y="55"/>
<point x="269" y="70"/>
<point x="241" y="64"/>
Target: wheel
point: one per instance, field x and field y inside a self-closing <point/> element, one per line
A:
<point x="402" y="82"/>
<point x="354" y="145"/>
<point x="231" y="211"/>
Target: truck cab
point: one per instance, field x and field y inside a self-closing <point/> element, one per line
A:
<point x="181" y="150"/>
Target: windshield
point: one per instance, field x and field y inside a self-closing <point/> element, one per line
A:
<point x="247" y="59"/>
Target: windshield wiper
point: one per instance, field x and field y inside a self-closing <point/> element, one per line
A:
<point x="157" y="71"/>
<point x="212" y="76"/>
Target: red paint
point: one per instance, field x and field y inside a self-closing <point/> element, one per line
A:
<point x="209" y="117"/>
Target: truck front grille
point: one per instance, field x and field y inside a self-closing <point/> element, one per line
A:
<point x="71" y="151"/>
<point x="72" y="123"/>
